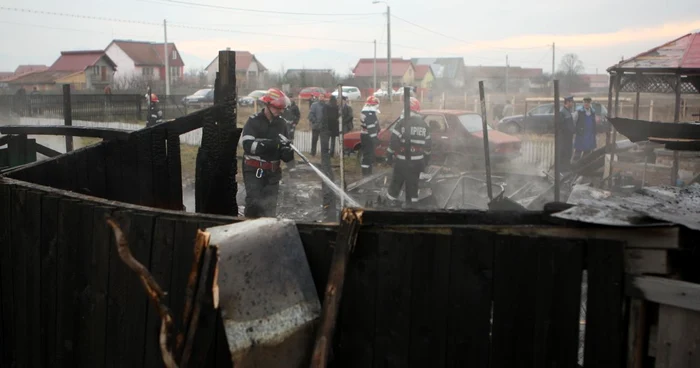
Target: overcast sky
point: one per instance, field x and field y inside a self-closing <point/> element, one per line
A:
<point x="334" y="34"/>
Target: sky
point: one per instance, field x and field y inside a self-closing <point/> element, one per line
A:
<point x="286" y="34"/>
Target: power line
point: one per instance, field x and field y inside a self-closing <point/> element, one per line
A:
<point x="221" y="7"/>
<point x="21" y="10"/>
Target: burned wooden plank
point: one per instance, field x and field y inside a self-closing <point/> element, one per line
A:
<point x="429" y="298"/>
<point x="97" y="175"/>
<point x="91" y="340"/>
<point x="161" y="270"/>
<point x="32" y="230"/>
<point x="19" y="271"/>
<point x="677" y="341"/>
<point x="182" y="259"/>
<point x="81" y="170"/>
<point x="646" y="261"/>
<point x="200" y="244"/>
<point x="558" y="303"/>
<point x="72" y="131"/>
<point x="318" y="246"/>
<point x="115" y="186"/>
<point x="129" y="167"/>
<point x="174" y="171"/>
<point x="46" y="151"/>
<point x="127" y="307"/>
<point x="470" y="294"/>
<point x="354" y="340"/>
<point x="204" y="310"/>
<point x="393" y="305"/>
<point x="145" y="167"/>
<point x="350" y="221"/>
<point x="7" y="275"/>
<point x="660" y="290"/>
<point x="638" y="333"/>
<point x="604" y="320"/>
<point x="160" y="168"/>
<point x="514" y="290"/>
<point x="67" y="306"/>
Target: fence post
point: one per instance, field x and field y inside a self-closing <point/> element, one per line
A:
<point x="67" y="115"/>
<point x="651" y="110"/>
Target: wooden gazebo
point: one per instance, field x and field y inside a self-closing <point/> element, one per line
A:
<point x="673" y="67"/>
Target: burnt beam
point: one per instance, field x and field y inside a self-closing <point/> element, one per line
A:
<point x="72" y="131"/>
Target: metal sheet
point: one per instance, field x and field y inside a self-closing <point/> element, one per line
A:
<point x="642" y="130"/>
<point x="647" y="206"/>
<point x="668" y="55"/>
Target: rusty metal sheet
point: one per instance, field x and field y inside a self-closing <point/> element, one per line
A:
<point x="648" y="206"/>
<point x="642" y="130"/>
<point x="668" y="55"/>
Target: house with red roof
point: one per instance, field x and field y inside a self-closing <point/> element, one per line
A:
<point x="144" y="59"/>
<point x="520" y="80"/>
<point x="85" y="69"/>
<point x="402" y="72"/>
<point x="424" y="76"/>
<point x="249" y="71"/>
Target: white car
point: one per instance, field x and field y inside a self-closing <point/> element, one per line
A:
<point x="352" y="93"/>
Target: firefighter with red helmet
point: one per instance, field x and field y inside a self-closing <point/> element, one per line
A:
<point x="155" y="115"/>
<point x="369" y="118"/>
<point x="263" y="152"/>
<point x="410" y="147"/>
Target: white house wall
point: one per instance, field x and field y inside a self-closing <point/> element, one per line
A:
<point x="125" y="66"/>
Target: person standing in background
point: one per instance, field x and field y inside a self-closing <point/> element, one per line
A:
<point x="584" y="119"/>
<point x="316" y="120"/>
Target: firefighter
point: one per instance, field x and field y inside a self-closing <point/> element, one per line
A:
<point x="262" y="154"/>
<point x="410" y="148"/>
<point x="155" y="115"/>
<point x="369" y="118"/>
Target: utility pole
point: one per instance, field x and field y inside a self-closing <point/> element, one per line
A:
<point x="388" y="49"/>
<point x="374" y="72"/>
<point x="553" y="52"/>
<point x="166" y="56"/>
<point x="507" y="75"/>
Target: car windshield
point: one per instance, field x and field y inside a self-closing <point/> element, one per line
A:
<point x="472" y="123"/>
<point x="348" y="89"/>
<point x="202" y="92"/>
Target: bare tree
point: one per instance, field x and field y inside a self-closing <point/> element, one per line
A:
<point x="570" y="70"/>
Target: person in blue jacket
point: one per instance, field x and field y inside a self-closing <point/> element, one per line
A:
<point x="584" y="118"/>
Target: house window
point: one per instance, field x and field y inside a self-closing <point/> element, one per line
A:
<point x="174" y="55"/>
<point x="96" y="70"/>
<point x="148" y="72"/>
<point x="174" y="72"/>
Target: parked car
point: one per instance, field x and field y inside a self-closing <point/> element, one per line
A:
<point x="352" y="93"/>
<point x="454" y="133"/>
<point x="251" y="98"/>
<point x="540" y="120"/>
<point x="201" y="97"/>
<point x="308" y="92"/>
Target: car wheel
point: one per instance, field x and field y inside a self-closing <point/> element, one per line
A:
<point x="512" y="128"/>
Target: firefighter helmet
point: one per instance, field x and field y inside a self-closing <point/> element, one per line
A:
<point x="275" y="98"/>
<point x="154" y="97"/>
<point x="371" y="100"/>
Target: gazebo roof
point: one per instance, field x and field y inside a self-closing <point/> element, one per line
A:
<point x="657" y="70"/>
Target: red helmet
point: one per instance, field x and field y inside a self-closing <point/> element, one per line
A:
<point x="415" y="104"/>
<point x="275" y="98"/>
<point x="371" y="100"/>
<point x="154" y="98"/>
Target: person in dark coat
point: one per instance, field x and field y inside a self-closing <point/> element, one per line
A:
<point x="330" y="128"/>
<point x="316" y="120"/>
<point x="565" y="139"/>
<point x="584" y="119"/>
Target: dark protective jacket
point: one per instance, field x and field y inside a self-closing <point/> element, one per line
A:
<point x="260" y="139"/>
<point x="347" y="118"/>
<point x="292" y="113"/>
<point x="410" y="140"/>
<point x="330" y="120"/>
<point x="370" y="123"/>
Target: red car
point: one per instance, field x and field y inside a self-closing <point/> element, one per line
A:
<point x="455" y="134"/>
<point x="307" y="92"/>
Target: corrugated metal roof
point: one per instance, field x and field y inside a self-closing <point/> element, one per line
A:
<point x="683" y="52"/>
<point x="148" y="53"/>
<point x="365" y="67"/>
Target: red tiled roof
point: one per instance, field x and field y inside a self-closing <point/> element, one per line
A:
<point x="365" y="67"/>
<point x="5" y="75"/>
<point x="682" y="53"/>
<point x="77" y="61"/>
<point x="45" y="77"/>
<point x="23" y="69"/>
<point x="243" y="61"/>
<point x="421" y="71"/>
<point x="148" y="53"/>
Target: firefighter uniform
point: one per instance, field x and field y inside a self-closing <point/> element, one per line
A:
<point x="261" y="166"/>
<point x="368" y="137"/>
<point x="410" y="147"/>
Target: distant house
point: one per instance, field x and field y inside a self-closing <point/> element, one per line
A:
<point x="424" y="76"/>
<point x="596" y="82"/>
<point x="302" y="78"/>
<point x="520" y="80"/>
<point x="402" y="73"/>
<point x="143" y="59"/>
<point x="91" y="69"/>
<point x="449" y="70"/>
<point x="249" y="71"/>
